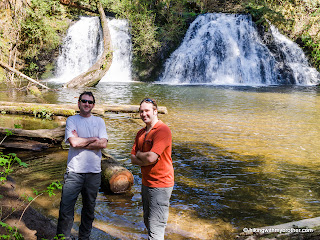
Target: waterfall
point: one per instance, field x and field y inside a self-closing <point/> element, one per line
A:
<point x="80" y="49"/>
<point x="226" y="49"/>
<point x="303" y="73"/>
<point x="120" y="69"/>
<point x="83" y="45"/>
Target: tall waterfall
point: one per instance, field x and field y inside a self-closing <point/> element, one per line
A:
<point x="120" y="69"/>
<point x="83" y="45"/>
<point x="80" y="50"/>
<point x="226" y="49"/>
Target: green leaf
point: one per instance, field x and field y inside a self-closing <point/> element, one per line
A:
<point x="17" y="126"/>
<point x="8" y="132"/>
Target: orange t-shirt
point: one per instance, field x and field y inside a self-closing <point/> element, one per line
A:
<point x="159" y="141"/>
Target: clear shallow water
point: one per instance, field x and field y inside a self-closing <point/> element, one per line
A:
<point x="243" y="157"/>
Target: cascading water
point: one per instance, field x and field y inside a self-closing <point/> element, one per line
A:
<point x="120" y="69"/>
<point x="83" y="45"/>
<point x="303" y="73"/>
<point x="80" y="50"/>
<point x="226" y="50"/>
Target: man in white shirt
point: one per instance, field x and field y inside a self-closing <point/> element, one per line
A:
<point x="87" y="135"/>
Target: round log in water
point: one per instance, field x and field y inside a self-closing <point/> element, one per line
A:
<point x="115" y="177"/>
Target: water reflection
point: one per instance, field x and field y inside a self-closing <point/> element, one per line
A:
<point x="243" y="157"/>
<point x="243" y="190"/>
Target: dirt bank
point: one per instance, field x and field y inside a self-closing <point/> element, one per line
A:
<point x="33" y="225"/>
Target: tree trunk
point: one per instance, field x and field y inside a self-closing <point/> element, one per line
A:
<point x="115" y="177"/>
<point x="92" y="77"/>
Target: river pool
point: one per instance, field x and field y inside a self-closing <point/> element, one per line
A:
<point x="244" y="157"/>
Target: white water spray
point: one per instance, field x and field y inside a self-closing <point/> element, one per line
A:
<point x="80" y="50"/>
<point x="83" y="45"/>
<point x="120" y="69"/>
<point x="303" y="73"/>
<point x="225" y="49"/>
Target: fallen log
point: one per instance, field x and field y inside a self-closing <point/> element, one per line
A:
<point x="68" y="109"/>
<point x="25" y="144"/>
<point x="50" y="136"/>
<point x="6" y="66"/>
<point x="115" y="177"/>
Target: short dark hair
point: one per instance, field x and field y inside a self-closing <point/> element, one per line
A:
<point x="150" y="100"/>
<point x="87" y="93"/>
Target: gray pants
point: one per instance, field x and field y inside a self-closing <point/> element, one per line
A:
<point x="156" y="210"/>
<point x="74" y="183"/>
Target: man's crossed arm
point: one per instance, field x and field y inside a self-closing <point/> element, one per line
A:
<point x="144" y="158"/>
<point x="91" y="143"/>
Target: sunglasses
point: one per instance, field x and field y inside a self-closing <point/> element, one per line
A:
<point x="86" y="101"/>
<point x="148" y="100"/>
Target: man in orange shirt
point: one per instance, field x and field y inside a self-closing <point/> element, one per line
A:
<point x="152" y="152"/>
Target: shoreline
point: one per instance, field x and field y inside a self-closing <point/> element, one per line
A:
<point x="34" y="225"/>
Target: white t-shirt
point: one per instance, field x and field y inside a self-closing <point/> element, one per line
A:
<point x="83" y="160"/>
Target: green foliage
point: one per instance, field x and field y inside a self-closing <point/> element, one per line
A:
<point x="53" y="186"/>
<point x="40" y="31"/>
<point x="297" y="19"/>
<point x="60" y="237"/>
<point x="261" y="13"/>
<point x="50" y="189"/>
<point x="43" y="113"/>
<point x="6" y="162"/>
<point x="154" y="25"/>
<point x="12" y="232"/>
<point x="8" y="132"/>
<point x="312" y="47"/>
<point x="142" y="21"/>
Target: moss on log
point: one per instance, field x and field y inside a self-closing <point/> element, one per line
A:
<point x="67" y="109"/>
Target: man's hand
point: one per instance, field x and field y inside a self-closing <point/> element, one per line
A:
<point x="144" y="158"/>
<point x="92" y="143"/>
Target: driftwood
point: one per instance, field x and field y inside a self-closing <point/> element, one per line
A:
<point x="6" y="66"/>
<point x="68" y="109"/>
<point x="92" y="77"/>
<point x="35" y="140"/>
<point x="115" y="177"/>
